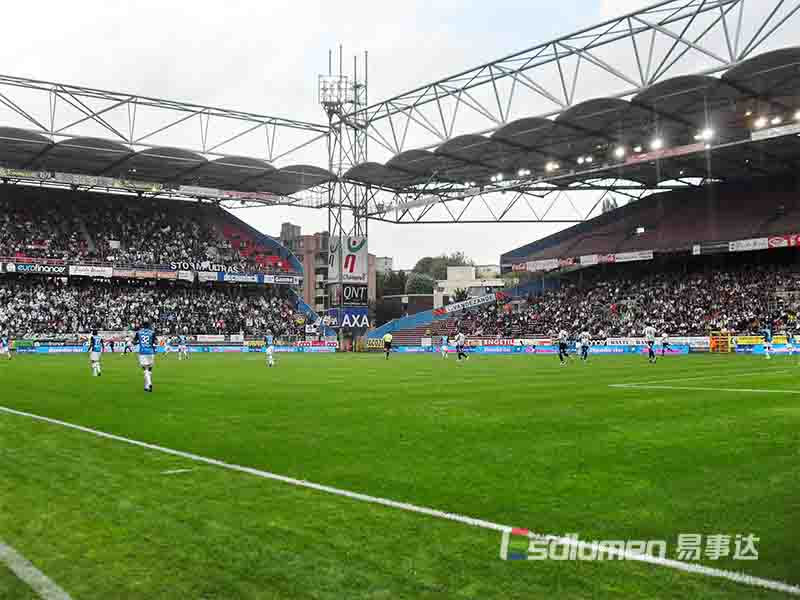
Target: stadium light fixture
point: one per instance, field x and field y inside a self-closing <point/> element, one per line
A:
<point x="523" y="172"/>
<point x="777" y="120"/>
<point x="749" y="113"/>
<point x="706" y="135"/>
<point x="637" y="149"/>
<point x="656" y="144"/>
<point x="581" y="160"/>
<point x="497" y="178"/>
<point x="619" y="152"/>
<point x="760" y="122"/>
<point x="551" y="166"/>
<point x="589" y="160"/>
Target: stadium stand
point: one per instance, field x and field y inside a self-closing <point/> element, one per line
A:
<point x="43" y="305"/>
<point x="736" y="298"/>
<point x="60" y="227"/>
<point x="674" y="221"/>
<point x="106" y="229"/>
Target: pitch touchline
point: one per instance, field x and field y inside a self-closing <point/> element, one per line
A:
<point x="33" y="577"/>
<point x="703" y="377"/>
<point x="431" y="512"/>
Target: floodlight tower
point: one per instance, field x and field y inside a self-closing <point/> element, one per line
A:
<point x="344" y="99"/>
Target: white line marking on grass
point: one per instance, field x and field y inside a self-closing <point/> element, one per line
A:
<point x="33" y="577"/>
<point x="176" y="471"/>
<point x="704" y="377"/>
<point x="644" y="386"/>
<point x="734" y="576"/>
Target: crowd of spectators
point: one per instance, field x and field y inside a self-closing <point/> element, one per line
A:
<point x="740" y="299"/>
<point x="109" y="230"/>
<point x="28" y="228"/>
<point x="42" y="305"/>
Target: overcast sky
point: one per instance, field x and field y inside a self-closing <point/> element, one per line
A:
<point x="265" y="57"/>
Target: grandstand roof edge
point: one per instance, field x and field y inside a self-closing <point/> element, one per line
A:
<point x="515" y="54"/>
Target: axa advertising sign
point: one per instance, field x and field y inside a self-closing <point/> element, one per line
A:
<point x="354" y="257"/>
<point x="351" y="317"/>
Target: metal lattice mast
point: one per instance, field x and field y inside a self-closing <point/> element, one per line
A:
<point x="344" y="99"/>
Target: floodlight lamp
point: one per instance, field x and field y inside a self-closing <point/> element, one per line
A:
<point x="619" y="152"/>
<point x="637" y="149"/>
<point x="777" y="120"/>
<point x="705" y="135"/>
<point x="657" y="144"/>
<point x="760" y="122"/>
<point x="581" y="160"/>
<point x="589" y="159"/>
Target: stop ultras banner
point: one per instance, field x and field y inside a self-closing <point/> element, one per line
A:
<point x="355" y="260"/>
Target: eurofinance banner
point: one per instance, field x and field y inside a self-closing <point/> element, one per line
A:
<point x="355" y="260"/>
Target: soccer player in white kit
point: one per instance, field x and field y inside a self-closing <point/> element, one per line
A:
<point x="563" y="346"/>
<point x="96" y="346"/>
<point x="443" y="347"/>
<point x="461" y="341"/>
<point x="586" y="340"/>
<point x="664" y="343"/>
<point x="650" y="338"/>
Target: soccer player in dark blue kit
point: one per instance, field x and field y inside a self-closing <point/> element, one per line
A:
<point x="146" y="338"/>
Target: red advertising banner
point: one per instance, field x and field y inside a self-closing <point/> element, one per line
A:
<point x="789" y="240"/>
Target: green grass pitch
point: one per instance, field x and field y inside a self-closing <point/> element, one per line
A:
<point x="515" y="440"/>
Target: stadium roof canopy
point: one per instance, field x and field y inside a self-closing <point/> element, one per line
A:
<point x="693" y="125"/>
<point x="24" y="149"/>
<point x="674" y="94"/>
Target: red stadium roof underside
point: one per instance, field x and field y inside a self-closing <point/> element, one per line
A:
<point x="675" y="110"/>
